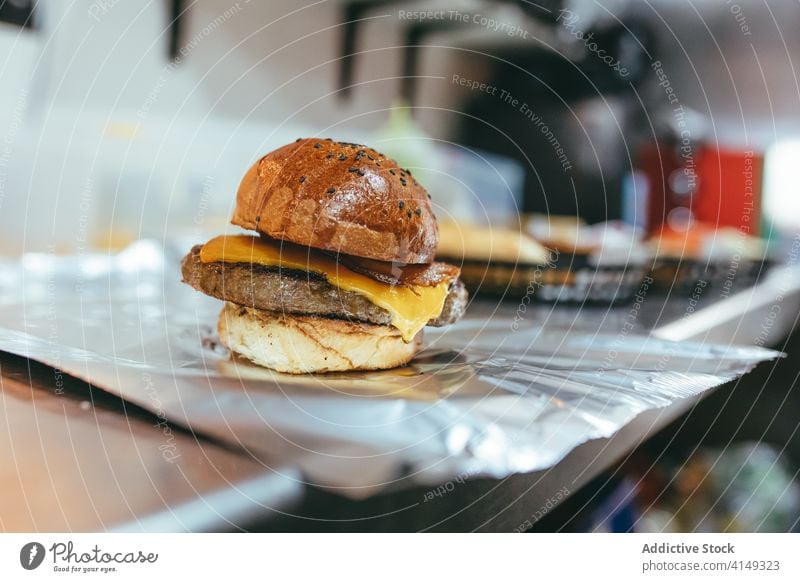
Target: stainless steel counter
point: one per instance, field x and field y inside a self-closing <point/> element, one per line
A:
<point x="76" y="458"/>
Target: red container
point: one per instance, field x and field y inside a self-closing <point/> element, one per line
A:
<point x="688" y="183"/>
<point x="730" y="189"/>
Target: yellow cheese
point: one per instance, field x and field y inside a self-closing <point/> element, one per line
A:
<point x="410" y="307"/>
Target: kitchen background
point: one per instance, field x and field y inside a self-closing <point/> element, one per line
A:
<point x="118" y="120"/>
<point x="127" y="120"/>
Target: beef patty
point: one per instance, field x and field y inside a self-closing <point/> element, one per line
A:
<point x="299" y="292"/>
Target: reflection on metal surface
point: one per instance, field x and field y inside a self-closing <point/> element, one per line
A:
<point x="430" y="377"/>
<point x="482" y="398"/>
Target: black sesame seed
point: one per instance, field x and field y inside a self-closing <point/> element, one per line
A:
<point x="408" y="171"/>
<point x="342" y="157"/>
<point x="378" y="163"/>
<point x="408" y="213"/>
<point x="371" y="158"/>
<point x="403" y="182"/>
<point x="328" y="139"/>
<point x="330" y="155"/>
<point x="392" y="172"/>
<point x="302" y="179"/>
<point x="317" y="145"/>
<point x="331" y="190"/>
<point x="361" y="173"/>
<point x="298" y="139"/>
<point x="352" y="169"/>
<point x="418" y="212"/>
<point x="401" y="204"/>
<point x="429" y="197"/>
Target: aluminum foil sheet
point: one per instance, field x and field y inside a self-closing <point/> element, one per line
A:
<point x="487" y="397"/>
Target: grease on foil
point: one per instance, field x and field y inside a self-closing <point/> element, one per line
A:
<point x="481" y="399"/>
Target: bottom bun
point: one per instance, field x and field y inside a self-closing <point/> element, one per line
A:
<point x="299" y="344"/>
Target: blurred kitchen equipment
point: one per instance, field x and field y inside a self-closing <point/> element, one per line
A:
<point x="253" y="75"/>
<point x="687" y="181"/>
<point x="419" y="28"/>
<point x="572" y="119"/>
<point x="730" y="188"/>
<point x="19" y="12"/>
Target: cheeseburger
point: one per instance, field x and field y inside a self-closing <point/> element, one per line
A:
<point x="339" y="274"/>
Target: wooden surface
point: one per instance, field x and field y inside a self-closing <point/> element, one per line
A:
<point x="70" y="464"/>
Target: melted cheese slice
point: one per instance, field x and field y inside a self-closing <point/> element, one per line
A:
<point x="410" y="307"/>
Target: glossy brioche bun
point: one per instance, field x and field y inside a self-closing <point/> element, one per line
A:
<point x="338" y="197"/>
<point x="298" y="344"/>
